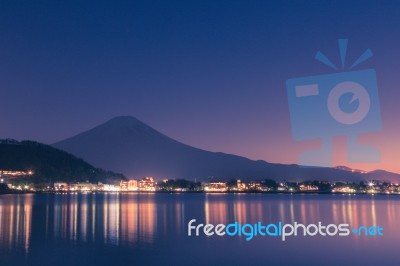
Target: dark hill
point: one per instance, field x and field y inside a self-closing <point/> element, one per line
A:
<point x="49" y="164"/>
<point x="127" y="145"/>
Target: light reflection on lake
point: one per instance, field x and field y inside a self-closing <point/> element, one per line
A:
<point x="156" y="224"/>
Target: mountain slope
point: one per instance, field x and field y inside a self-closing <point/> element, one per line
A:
<point x="127" y="145"/>
<point x="48" y="163"/>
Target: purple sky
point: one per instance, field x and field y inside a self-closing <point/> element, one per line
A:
<point x="208" y="73"/>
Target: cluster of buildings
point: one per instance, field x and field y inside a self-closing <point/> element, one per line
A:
<point x="216" y="187"/>
<point x="372" y="187"/>
<point x="10" y="173"/>
<point x="146" y="184"/>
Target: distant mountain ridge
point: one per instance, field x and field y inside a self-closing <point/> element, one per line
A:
<point x="127" y="145"/>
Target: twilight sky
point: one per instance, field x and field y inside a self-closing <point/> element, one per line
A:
<point x="208" y="73"/>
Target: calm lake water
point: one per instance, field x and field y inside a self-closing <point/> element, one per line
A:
<point x="151" y="229"/>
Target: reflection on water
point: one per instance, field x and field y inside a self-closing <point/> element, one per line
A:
<point x="105" y="216"/>
<point x="349" y="209"/>
<point x="135" y="219"/>
<point x="15" y="223"/>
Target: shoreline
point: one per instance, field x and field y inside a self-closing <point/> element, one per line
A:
<point x="199" y="192"/>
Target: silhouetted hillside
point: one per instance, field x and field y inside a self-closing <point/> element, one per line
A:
<point x="49" y="164"/>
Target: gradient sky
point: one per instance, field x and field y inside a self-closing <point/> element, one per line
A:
<point x="207" y="73"/>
